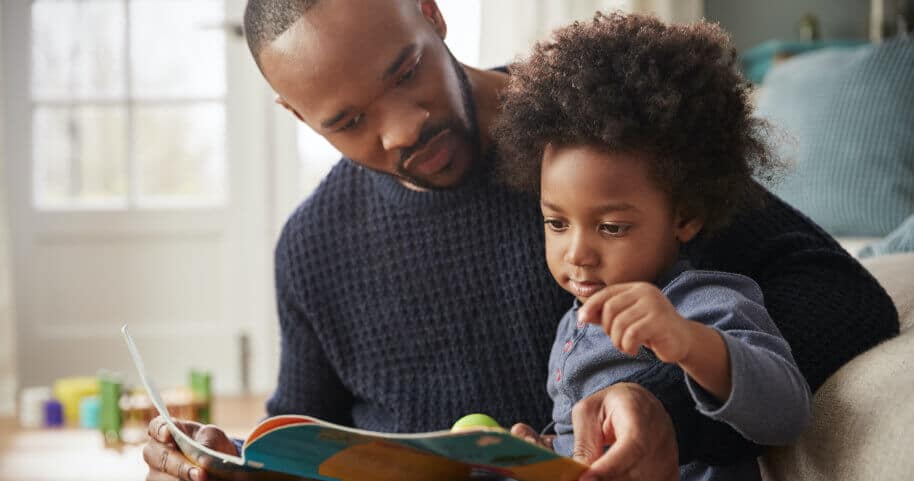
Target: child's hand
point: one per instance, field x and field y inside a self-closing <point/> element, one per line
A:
<point x="530" y="435"/>
<point x="637" y="313"/>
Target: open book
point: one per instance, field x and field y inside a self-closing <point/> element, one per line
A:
<point x="303" y="446"/>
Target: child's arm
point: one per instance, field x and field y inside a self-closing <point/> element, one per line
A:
<point x="707" y="360"/>
<point x="756" y="361"/>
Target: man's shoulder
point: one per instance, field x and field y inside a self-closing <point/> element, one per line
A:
<point x="340" y="195"/>
<point x="338" y="191"/>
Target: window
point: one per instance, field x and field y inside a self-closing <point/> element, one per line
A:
<point x="127" y="104"/>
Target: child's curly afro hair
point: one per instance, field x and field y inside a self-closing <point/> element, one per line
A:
<point x="629" y="83"/>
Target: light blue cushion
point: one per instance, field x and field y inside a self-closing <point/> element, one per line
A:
<point x="900" y="240"/>
<point x="850" y="113"/>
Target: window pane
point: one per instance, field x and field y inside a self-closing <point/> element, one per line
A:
<point x="79" y="156"/>
<point x="177" y="48"/>
<point x="77" y="49"/>
<point x="316" y="157"/>
<point x="180" y="154"/>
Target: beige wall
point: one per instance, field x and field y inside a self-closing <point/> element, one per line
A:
<point x="510" y="27"/>
<point x="7" y="332"/>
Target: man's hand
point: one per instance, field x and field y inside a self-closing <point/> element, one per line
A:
<point x="635" y="424"/>
<point x="637" y="313"/>
<point x="166" y="463"/>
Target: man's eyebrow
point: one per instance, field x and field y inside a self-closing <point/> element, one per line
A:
<point x="405" y="52"/>
<point x="336" y="118"/>
<point x="394" y="66"/>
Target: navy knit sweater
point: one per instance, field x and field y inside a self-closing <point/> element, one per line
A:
<point x="401" y="311"/>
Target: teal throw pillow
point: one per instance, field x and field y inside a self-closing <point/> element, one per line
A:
<point x="849" y="117"/>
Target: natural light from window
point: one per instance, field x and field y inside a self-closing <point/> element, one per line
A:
<point x="128" y="104"/>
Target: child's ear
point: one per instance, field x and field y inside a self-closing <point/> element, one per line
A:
<point x="687" y="227"/>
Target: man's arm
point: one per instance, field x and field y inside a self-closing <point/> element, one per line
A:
<point x="826" y="305"/>
<point x="307" y="382"/>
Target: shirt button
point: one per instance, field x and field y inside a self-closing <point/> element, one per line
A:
<point x="558" y="375"/>
<point x="567" y="346"/>
<point x="580" y="324"/>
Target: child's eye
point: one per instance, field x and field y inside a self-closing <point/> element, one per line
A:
<point x="353" y="122"/>
<point x="615" y="230"/>
<point x="555" y="225"/>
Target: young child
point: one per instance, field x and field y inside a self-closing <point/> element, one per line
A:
<point x="638" y="137"/>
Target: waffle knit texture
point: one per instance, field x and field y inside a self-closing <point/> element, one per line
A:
<point x="401" y="311"/>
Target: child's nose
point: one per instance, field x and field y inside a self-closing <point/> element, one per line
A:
<point x="580" y="253"/>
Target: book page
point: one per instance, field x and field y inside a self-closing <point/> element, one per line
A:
<point x="212" y="461"/>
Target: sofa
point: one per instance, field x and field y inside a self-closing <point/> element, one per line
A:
<point x="844" y="119"/>
<point x="863" y="416"/>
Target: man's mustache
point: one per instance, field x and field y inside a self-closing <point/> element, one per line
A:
<point x="424" y="136"/>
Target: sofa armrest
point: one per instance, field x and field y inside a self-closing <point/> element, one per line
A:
<point x="863" y="415"/>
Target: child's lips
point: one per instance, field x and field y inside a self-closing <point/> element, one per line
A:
<point x="584" y="288"/>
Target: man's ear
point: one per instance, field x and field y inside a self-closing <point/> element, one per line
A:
<point x="281" y="101"/>
<point x="433" y="16"/>
<point x="687" y="227"/>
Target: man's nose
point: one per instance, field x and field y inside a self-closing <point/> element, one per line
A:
<point x="402" y="125"/>
<point x="580" y="252"/>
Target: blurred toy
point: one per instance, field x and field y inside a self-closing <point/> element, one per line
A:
<point x="31" y="406"/>
<point x="200" y="386"/>
<point x="53" y="413"/>
<point x="70" y="391"/>
<point x="476" y="421"/>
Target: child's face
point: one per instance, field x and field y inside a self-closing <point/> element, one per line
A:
<point x="605" y="220"/>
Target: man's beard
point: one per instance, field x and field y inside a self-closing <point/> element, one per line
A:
<point x="468" y="133"/>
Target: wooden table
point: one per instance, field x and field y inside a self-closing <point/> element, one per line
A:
<point x="80" y="454"/>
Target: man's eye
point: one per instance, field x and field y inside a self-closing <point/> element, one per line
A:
<point x="615" y="230"/>
<point x="352" y="123"/>
<point x="555" y="225"/>
<point x="406" y="76"/>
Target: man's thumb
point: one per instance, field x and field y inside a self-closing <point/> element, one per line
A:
<point x="588" y="444"/>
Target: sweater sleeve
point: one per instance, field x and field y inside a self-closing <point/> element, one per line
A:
<point x="826" y="305"/>
<point x="308" y="383"/>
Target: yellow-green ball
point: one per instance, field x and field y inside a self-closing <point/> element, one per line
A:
<point x="475" y="421"/>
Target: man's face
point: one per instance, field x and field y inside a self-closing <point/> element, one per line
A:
<point x="375" y="78"/>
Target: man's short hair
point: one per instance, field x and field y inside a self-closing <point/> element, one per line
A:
<point x="264" y="20"/>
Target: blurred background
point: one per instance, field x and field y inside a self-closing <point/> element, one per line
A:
<point x="145" y="173"/>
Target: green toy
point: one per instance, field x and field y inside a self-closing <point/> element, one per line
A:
<point x="476" y="421"/>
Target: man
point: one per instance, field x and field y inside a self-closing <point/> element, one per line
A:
<point x="412" y="289"/>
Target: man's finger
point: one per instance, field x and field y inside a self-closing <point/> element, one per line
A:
<point x="161" y="458"/>
<point x="160" y="476"/>
<point x="158" y="430"/>
<point x="215" y="439"/>
<point x="617" y="461"/>
<point x="589" y="437"/>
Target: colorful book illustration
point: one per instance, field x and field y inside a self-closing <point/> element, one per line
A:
<point x="303" y="446"/>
